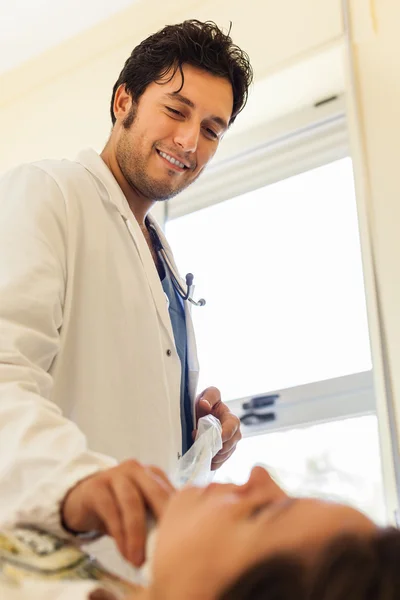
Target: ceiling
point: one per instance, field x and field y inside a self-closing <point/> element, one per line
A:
<point x="29" y="27"/>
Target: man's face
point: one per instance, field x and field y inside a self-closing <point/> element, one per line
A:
<point x="165" y="140"/>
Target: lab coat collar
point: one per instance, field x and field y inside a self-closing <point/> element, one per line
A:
<point x="93" y="163"/>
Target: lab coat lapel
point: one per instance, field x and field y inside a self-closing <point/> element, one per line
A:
<point x="152" y="275"/>
<point x="97" y="167"/>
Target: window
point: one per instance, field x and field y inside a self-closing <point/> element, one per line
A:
<point x="338" y="461"/>
<point x="280" y="269"/>
<point x="271" y="235"/>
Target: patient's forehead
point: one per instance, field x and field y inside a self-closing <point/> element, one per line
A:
<point x="320" y="522"/>
<point x="309" y="525"/>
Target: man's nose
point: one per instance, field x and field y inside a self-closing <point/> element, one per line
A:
<point x="187" y="137"/>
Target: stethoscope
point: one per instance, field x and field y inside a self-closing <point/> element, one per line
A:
<point x="184" y="294"/>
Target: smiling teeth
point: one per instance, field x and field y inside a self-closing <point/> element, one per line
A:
<point x="172" y="160"/>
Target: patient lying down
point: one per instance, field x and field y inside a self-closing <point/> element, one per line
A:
<point x="228" y="542"/>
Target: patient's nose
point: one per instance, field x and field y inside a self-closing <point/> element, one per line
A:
<point x="261" y="480"/>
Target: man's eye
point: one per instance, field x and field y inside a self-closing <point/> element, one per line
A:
<point x="174" y="112"/>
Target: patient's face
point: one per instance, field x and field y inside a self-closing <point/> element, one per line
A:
<point x="209" y="536"/>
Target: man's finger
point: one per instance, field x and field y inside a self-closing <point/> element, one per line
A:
<point x="228" y="446"/>
<point x="218" y="461"/>
<point x="207" y="402"/>
<point x="230" y="426"/>
<point x="154" y="489"/>
<point x="159" y="473"/>
<point x="203" y="408"/>
<point x="133" y="518"/>
<point x="212" y="395"/>
<point x="105" y="507"/>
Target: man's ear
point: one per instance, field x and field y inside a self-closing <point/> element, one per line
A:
<point x="122" y="103"/>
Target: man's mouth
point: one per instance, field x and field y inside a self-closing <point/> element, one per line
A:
<point x="172" y="160"/>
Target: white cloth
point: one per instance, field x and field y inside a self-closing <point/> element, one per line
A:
<point x="89" y="373"/>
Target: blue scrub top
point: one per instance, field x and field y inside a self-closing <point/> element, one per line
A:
<point x="178" y="322"/>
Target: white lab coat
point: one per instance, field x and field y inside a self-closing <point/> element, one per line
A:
<point x="89" y="373"/>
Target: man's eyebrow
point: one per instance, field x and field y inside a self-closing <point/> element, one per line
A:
<point x="181" y="98"/>
<point x="220" y="122"/>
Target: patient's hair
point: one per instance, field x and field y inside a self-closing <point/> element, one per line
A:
<point x="351" y="568"/>
<point x="192" y="42"/>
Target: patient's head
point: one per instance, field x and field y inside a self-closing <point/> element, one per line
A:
<point x="252" y="539"/>
<point x="350" y="568"/>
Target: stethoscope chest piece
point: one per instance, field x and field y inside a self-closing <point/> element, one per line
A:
<point x="184" y="294"/>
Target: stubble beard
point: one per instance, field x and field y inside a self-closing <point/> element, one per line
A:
<point x="133" y="166"/>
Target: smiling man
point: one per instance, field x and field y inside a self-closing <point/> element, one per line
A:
<point x="161" y="144"/>
<point x="98" y="367"/>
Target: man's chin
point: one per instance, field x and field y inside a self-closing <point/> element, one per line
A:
<point x="165" y="197"/>
<point x="160" y="189"/>
<point x="166" y="193"/>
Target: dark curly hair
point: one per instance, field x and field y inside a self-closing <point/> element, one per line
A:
<point x="193" y="42"/>
<point x="351" y="568"/>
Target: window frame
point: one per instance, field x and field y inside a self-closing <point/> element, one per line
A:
<point x="317" y="402"/>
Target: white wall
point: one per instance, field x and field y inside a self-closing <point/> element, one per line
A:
<point x="374" y="121"/>
<point x="58" y="102"/>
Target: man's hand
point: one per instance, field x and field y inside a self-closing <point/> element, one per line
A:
<point x="209" y="402"/>
<point x="115" y="502"/>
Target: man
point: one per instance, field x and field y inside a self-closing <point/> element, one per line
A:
<point x="91" y="354"/>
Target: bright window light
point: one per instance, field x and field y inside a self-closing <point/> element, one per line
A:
<point x="280" y="269"/>
<point x="337" y="461"/>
